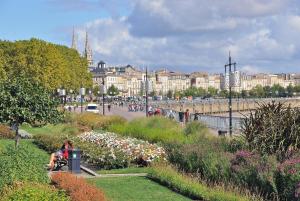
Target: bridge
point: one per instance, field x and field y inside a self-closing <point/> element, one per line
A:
<point x="217" y="106"/>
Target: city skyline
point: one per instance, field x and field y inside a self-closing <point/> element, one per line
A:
<point x="262" y="35"/>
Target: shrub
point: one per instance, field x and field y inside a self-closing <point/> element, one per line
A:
<point x="96" y="121"/>
<point x="77" y="188"/>
<point x="206" y="158"/>
<point x="273" y="129"/>
<point x="102" y="157"/>
<point x="168" y="176"/>
<point x="32" y="192"/>
<point x="154" y="129"/>
<point x="5" y="132"/>
<point x="288" y="180"/>
<point x="26" y="163"/>
<point x="49" y="143"/>
<point x="254" y="171"/>
<point x="196" y="128"/>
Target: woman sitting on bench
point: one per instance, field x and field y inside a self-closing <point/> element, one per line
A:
<point x="62" y="153"/>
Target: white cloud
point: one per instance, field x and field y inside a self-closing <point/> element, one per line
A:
<point x="197" y="34"/>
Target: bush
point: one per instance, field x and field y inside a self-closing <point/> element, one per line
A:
<point x="255" y="172"/>
<point x="273" y="129"/>
<point x="154" y="129"/>
<point x="288" y="180"/>
<point x="5" y="132"/>
<point x="26" y="163"/>
<point x="77" y="188"/>
<point x="96" y="121"/>
<point x="32" y="192"/>
<point x="100" y="157"/>
<point x="168" y="176"/>
<point x="206" y="158"/>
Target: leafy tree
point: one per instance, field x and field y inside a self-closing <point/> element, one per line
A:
<point x="23" y="100"/>
<point x="95" y="90"/>
<point x="257" y="91"/>
<point x="112" y="91"/>
<point x="278" y="90"/>
<point x="51" y="65"/>
<point x="244" y="94"/>
<point x="170" y="94"/>
<point x="212" y="91"/>
<point x="289" y="90"/>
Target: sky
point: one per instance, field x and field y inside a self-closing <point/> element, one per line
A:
<point x="181" y="35"/>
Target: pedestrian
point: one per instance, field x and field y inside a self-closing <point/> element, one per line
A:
<point x="108" y="107"/>
<point x="187" y="116"/>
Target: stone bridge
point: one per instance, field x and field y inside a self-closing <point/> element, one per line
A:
<point x="214" y="106"/>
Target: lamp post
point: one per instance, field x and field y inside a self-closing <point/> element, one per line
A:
<point x="229" y="65"/>
<point x="103" y="90"/>
<point x="82" y="93"/>
<point x="146" y="89"/>
<point x="62" y="94"/>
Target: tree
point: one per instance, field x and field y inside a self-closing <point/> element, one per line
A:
<point x="257" y="91"/>
<point x="112" y="91"/>
<point x="289" y="90"/>
<point x="23" y="100"/>
<point x="170" y="94"/>
<point x="212" y="91"/>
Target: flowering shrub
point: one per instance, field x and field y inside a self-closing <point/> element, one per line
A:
<point x="77" y="188"/>
<point x="288" y="179"/>
<point x="254" y="171"/>
<point x="139" y="151"/>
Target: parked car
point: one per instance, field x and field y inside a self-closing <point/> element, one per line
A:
<point x="92" y="108"/>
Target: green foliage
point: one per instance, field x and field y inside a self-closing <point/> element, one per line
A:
<point x="273" y="129"/>
<point x="51" y="65"/>
<point x="190" y="187"/>
<point x="154" y="129"/>
<point x="287" y="180"/>
<point x="32" y="192"/>
<point x="254" y="171"/>
<point x="112" y="90"/>
<point x="96" y="121"/>
<point x="23" y="100"/>
<point x="26" y="163"/>
<point x="205" y="157"/>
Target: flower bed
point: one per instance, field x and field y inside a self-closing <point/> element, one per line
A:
<point x="138" y="151"/>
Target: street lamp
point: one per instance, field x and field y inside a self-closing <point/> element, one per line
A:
<point x="103" y="91"/>
<point x="146" y="89"/>
<point x="229" y="65"/>
<point x="62" y="94"/>
<point x="81" y="93"/>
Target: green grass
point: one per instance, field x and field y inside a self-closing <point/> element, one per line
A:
<point x="6" y="142"/>
<point x="130" y="170"/>
<point x="135" y="189"/>
<point x="59" y="129"/>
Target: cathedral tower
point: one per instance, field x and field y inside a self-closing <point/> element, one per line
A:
<point x="88" y="51"/>
<point x="74" y="40"/>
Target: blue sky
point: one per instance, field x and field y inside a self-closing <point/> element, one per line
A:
<point x="187" y="35"/>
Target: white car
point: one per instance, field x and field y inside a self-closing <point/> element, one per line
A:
<point x="92" y="108"/>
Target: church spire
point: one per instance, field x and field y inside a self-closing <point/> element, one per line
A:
<point x="74" y="40"/>
<point x="88" y="51"/>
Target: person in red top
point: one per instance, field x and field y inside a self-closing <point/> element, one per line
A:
<point x="62" y="153"/>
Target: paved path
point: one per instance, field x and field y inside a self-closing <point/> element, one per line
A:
<point x="123" y="111"/>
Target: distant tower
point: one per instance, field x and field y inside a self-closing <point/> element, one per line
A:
<point x="88" y="51"/>
<point x="74" y="40"/>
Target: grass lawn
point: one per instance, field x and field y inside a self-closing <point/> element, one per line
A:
<point x="5" y="142"/>
<point x="129" y="170"/>
<point x="135" y="189"/>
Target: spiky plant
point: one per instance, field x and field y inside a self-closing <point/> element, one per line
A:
<point x="273" y="128"/>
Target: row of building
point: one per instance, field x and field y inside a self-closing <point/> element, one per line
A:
<point x="131" y="81"/>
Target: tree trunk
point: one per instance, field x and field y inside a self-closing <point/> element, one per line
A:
<point x="17" y="139"/>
